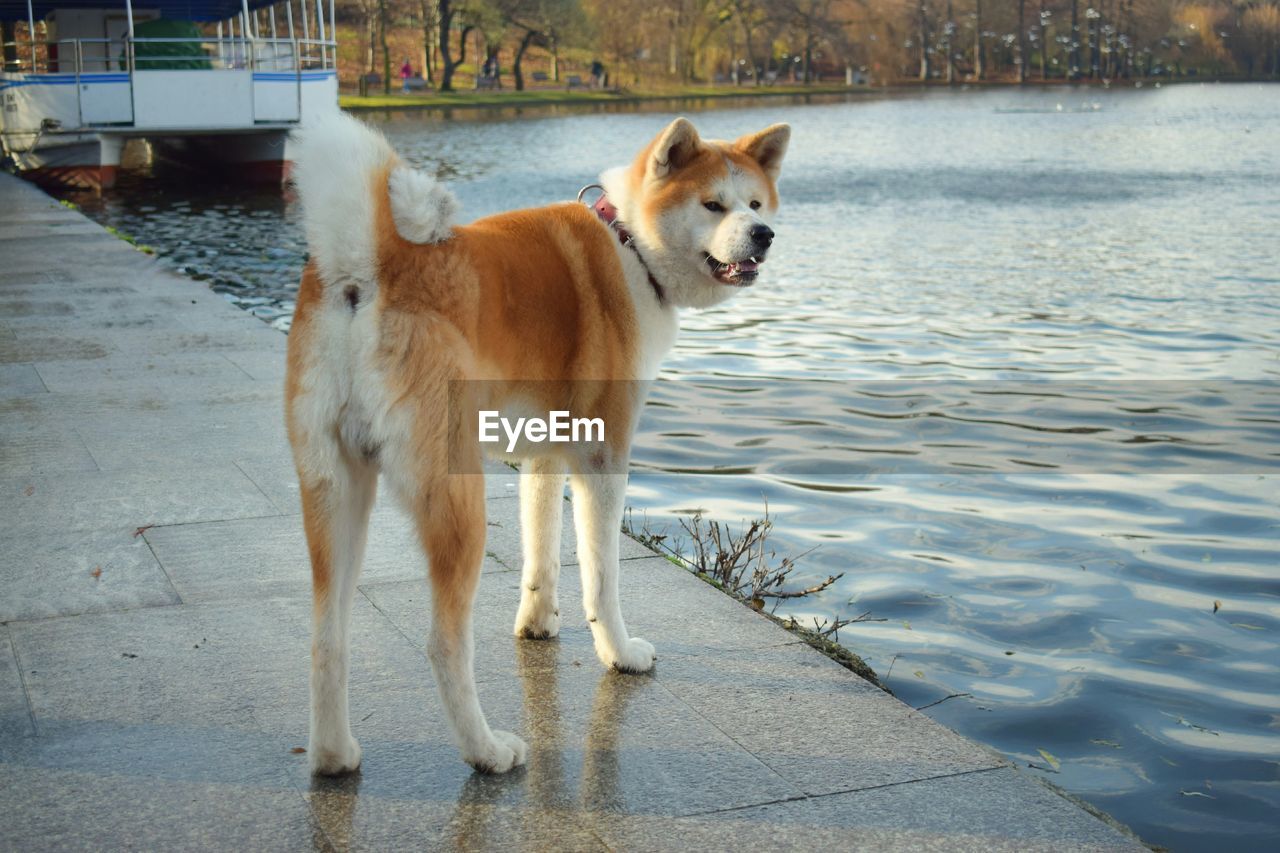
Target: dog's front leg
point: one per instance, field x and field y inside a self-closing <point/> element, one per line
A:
<point x="541" y="512"/>
<point x="598" y="502"/>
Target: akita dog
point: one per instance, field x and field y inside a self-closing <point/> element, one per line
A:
<point x="399" y="306"/>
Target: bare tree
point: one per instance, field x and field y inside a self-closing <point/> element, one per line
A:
<point x="1073" y="67"/>
<point x="922" y="34"/>
<point x="446" y="11"/>
<point x="948" y="44"/>
<point x="1022" y="41"/>
<point x="977" y="39"/>
<point x="750" y="15"/>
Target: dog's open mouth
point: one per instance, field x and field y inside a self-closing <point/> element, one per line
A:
<point x="738" y="273"/>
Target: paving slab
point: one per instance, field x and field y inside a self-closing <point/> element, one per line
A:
<point x="36" y="505"/>
<point x="155" y="619"/>
<point x="99" y="785"/>
<point x="267" y="557"/>
<point x="197" y="665"/>
<point x="81" y="571"/>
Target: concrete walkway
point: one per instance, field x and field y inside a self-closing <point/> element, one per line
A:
<point x="154" y="611"/>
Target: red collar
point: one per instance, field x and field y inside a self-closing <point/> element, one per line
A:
<point x="609" y="216"/>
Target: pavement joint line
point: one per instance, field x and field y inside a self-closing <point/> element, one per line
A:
<point x="856" y="790"/>
<point x="36" y="371"/>
<point x="165" y="525"/>
<point x="109" y="612"/>
<point x="257" y="486"/>
<point x="416" y="647"/>
<point x="167" y="577"/>
<point x="252" y="378"/>
<point x="22" y="679"/>
<point x="87" y="449"/>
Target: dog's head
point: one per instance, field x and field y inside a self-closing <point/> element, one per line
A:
<point x="701" y="210"/>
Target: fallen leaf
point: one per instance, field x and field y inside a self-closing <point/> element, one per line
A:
<point x="141" y="530"/>
<point x="29" y="491"/>
<point x="298" y="750"/>
<point x="1217" y="605"/>
<point x="97" y="572"/>
<point x="1052" y="759"/>
<point x="918" y="674"/>
<point x="127" y="655"/>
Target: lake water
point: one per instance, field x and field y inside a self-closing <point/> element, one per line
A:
<point x="1012" y="370"/>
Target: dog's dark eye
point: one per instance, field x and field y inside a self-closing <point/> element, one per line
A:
<point x="755" y="205"/>
<point x="713" y="206"/>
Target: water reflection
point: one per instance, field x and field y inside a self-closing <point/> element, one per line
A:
<point x="576" y="767"/>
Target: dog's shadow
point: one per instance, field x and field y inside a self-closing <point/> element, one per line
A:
<point x="531" y="803"/>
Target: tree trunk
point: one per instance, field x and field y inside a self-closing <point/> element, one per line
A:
<point x="555" y="60"/>
<point x="448" y="65"/>
<point x="977" y="39"/>
<point x="923" y="35"/>
<point x="948" y="43"/>
<point x="1022" y="41"/>
<point x="386" y="52"/>
<point x="428" y="38"/>
<point x="751" y="52"/>
<point x="1044" y="45"/>
<point x="1073" y="62"/>
<point x="516" y="70"/>
<point x="1094" y="53"/>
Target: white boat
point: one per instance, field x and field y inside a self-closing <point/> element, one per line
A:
<point x="230" y="78"/>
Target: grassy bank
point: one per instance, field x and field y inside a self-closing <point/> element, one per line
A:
<point x="551" y="97"/>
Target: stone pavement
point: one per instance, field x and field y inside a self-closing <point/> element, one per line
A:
<point x="154" y="612"/>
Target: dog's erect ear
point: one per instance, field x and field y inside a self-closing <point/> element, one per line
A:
<point x="767" y="147"/>
<point x="674" y="148"/>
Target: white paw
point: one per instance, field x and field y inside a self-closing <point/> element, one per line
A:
<point x="503" y="753"/>
<point x="332" y="761"/>
<point x="537" y="622"/>
<point x="636" y="655"/>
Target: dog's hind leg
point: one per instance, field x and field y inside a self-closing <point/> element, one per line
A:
<point x="335" y="512"/>
<point x="450" y="514"/>
<point x="541" y="511"/>
<point x="597" y="504"/>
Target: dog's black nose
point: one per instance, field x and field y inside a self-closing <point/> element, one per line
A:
<point x="762" y="236"/>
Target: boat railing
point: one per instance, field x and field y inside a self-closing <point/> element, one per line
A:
<point x="96" y="56"/>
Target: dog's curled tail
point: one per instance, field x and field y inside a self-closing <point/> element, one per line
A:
<point x="344" y="171"/>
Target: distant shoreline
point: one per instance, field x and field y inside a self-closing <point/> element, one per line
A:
<point x="474" y="99"/>
<point x="471" y="99"/>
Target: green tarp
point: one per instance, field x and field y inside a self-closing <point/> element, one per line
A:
<point x="166" y="56"/>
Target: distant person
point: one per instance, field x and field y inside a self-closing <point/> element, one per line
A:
<point x="597" y="74"/>
<point x="406" y="71"/>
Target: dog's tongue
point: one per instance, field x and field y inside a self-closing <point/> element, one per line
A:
<point x="743" y="266"/>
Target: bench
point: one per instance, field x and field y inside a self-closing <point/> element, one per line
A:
<point x="415" y="84"/>
<point x="540" y="77"/>
<point x="575" y="81"/>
